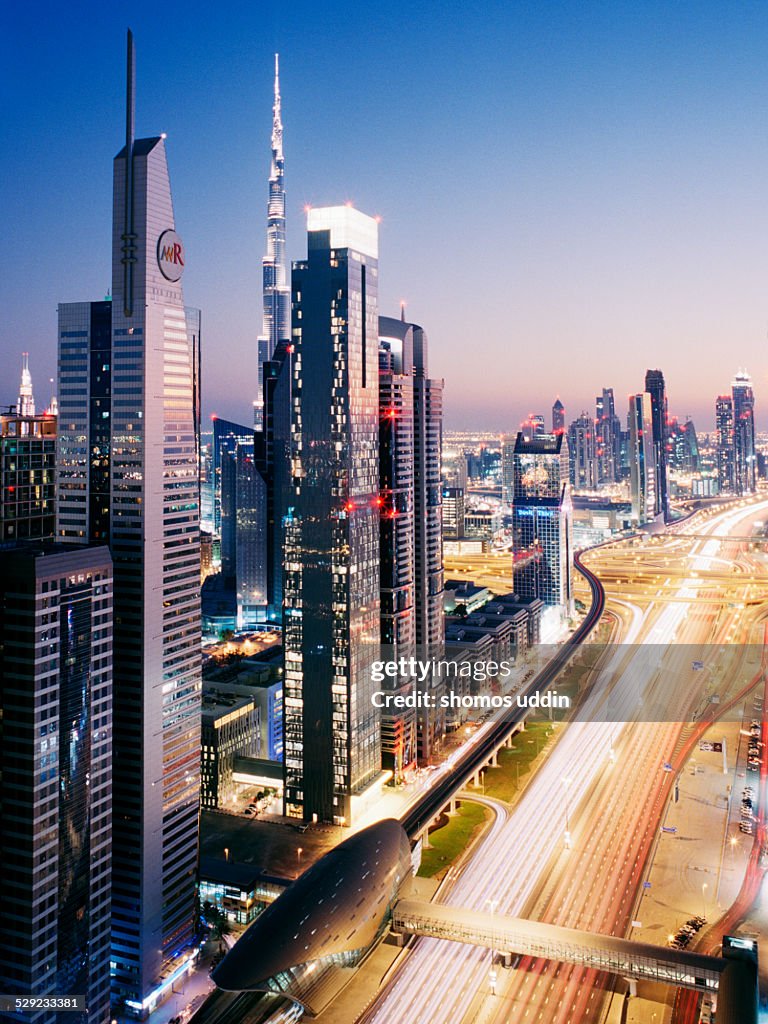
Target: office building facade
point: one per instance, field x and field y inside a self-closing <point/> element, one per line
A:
<point x="656" y="389"/>
<point x="642" y="460"/>
<point x="27" y="472"/>
<point x="56" y="719"/>
<point x="582" y="450"/>
<point x="744" y="455"/>
<point x="543" y="521"/>
<point x="558" y="417"/>
<point x="331" y="606"/>
<point x="243" y="531"/>
<point x="148" y="465"/>
<point x="724" y="438"/>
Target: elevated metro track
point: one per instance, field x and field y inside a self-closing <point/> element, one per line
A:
<point x="432" y="802"/>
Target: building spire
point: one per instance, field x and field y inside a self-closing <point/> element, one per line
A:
<point x="277" y="122"/>
<point x="128" y="237"/>
<point x="25" y="406"/>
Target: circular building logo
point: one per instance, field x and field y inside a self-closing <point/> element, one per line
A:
<point x="170" y="255"/>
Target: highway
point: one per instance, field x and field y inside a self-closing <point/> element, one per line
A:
<point x="603" y="783"/>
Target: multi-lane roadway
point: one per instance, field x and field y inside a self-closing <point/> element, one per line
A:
<point x="574" y="848"/>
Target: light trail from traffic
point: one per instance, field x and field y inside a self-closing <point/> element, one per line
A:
<point x="439" y="982"/>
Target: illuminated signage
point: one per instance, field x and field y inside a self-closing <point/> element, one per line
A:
<point x="170" y="255"/>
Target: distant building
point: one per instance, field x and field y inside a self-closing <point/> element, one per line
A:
<point x="483" y="524"/>
<point x="726" y="461"/>
<point x="582" y="450"/>
<point x="642" y="460"/>
<point x="542" y="521"/>
<point x="744" y="455"/>
<point x="508" y="442"/>
<point x="558" y="417"/>
<point x="276" y="289"/>
<point x="607" y="439"/>
<point x="683" y="447"/>
<point x="453" y="513"/>
<point x="244" y="531"/>
<point x="656" y="389"/>
<point x="27" y="475"/>
<point x="56" y="720"/>
<point x="226" y="437"/>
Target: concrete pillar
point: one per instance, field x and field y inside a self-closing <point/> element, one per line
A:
<point x="425" y="837"/>
<point x="476" y="780"/>
<point x="452" y="808"/>
<point x="632" y="986"/>
<point x="494" y="763"/>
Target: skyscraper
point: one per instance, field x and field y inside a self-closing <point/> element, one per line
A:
<point x="543" y="520"/>
<point x="607" y="438"/>
<point x="558" y="417"/>
<point x="131" y="363"/>
<point x="25" y="406"/>
<point x="642" y="459"/>
<point x="410" y="446"/>
<point x="276" y="290"/>
<point x="582" y="450"/>
<point x="56" y="769"/>
<point x="508" y="442"/>
<point x="27" y="469"/>
<point x="397" y="532"/>
<point x="243" y="531"/>
<point x="331" y="527"/>
<point x="226" y="437"/>
<point x="744" y="456"/>
<point x="724" y="435"/>
<point x="655" y="387"/>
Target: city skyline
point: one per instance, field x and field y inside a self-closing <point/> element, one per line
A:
<point x="606" y="222"/>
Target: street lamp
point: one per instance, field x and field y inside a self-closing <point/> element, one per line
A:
<point x="704" y="888"/>
<point x="298" y="855"/>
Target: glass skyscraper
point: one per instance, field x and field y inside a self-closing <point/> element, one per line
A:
<point x="642" y="460"/>
<point x="330" y="517"/>
<point x="128" y="467"/>
<point x="276" y="291"/>
<point x="744" y="456"/>
<point x="656" y="389"/>
<point x="543" y="520"/>
<point x="56" y="729"/>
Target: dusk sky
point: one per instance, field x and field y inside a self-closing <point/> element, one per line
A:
<point x="570" y="193"/>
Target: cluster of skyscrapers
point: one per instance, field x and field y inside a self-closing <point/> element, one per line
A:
<point x="328" y="515"/>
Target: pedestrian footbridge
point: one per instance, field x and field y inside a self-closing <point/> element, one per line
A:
<point x="632" y="960"/>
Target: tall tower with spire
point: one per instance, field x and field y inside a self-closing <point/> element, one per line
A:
<point x="25" y="405"/>
<point x="276" y="292"/>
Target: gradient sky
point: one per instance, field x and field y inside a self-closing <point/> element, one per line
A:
<point x="570" y="192"/>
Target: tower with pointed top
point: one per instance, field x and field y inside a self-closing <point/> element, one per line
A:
<point x="127" y="472"/>
<point x="276" y="292"/>
<point x="25" y="406"/>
